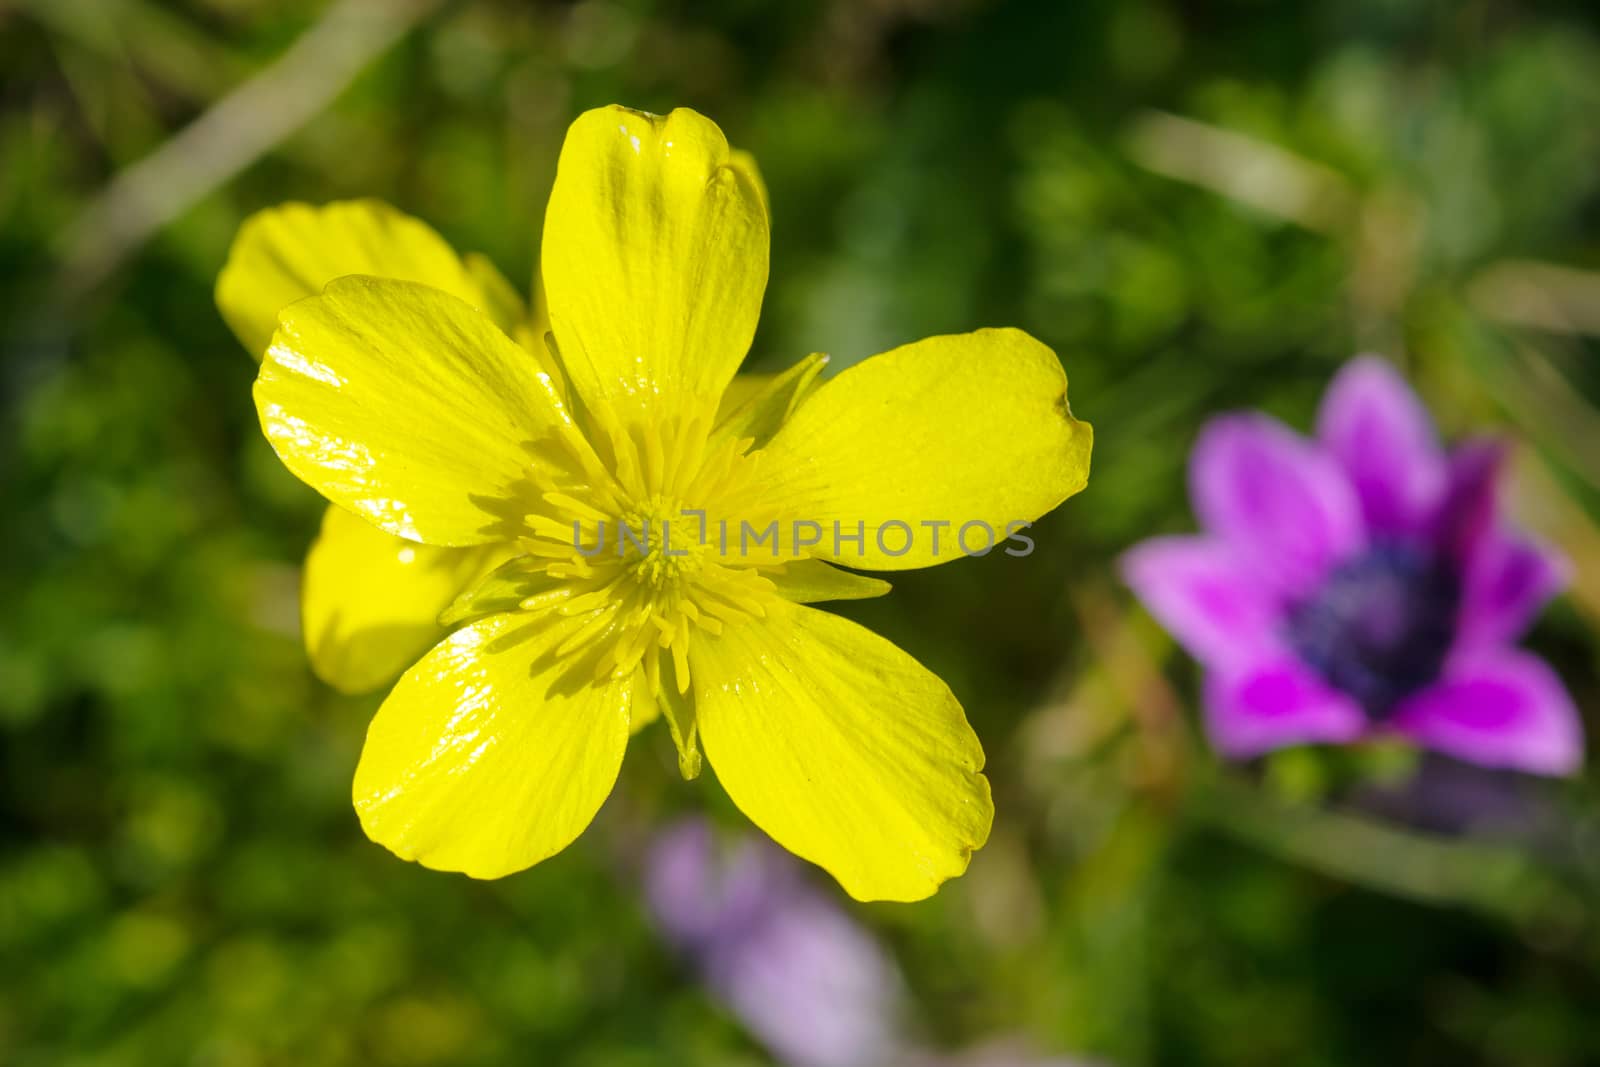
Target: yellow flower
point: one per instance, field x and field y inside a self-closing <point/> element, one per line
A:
<point x="407" y="405"/>
<point x="370" y="601"/>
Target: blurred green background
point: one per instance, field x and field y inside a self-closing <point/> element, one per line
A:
<point x="1199" y="205"/>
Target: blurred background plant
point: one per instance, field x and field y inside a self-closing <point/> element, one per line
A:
<point x="1200" y="205"/>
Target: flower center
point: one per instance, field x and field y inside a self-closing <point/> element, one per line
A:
<point x="658" y="544"/>
<point x="1381" y="625"/>
<point x="624" y="532"/>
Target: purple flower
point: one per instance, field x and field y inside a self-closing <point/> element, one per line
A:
<point x="1359" y="585"/>
<point x="1003" y="1053"/>
<point x="805" y="980"/>
<point x="809" y="983"/>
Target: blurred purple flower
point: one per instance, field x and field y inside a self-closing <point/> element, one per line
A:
<point x="1360" y="584"/>
<point x="805" y="980"/>
<point x="998" y="1054"/>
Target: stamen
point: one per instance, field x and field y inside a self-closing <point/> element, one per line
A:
<point x="639" y="598"/>
<point x="680" y="655"/>
<point x="591" y="600"/>
<point x="573" y="504"/>
<point x="540" y="601"/>
<point x="588" y="631"/>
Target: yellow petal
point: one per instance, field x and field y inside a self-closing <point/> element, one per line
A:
<point x="756" y="405"/>
<point x="498" y="298"/>
<point x="290" y="252"/>
<point x="846" y="750"/>
<point x="645" y="709"/>
<point x="916" y="443"/>
<point x="489" y="755"/>
<point x="810" y="581"/>
<point x="400" y="403"/>
<point x="370" y="601"/>
<point x="654" y="259"/>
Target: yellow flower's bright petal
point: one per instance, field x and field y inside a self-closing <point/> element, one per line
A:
<point x="654" y="259"/>
<point x="290" y="252"/>
<point x="490" y="755"/>
<point x="645" y="709"/>
<point x="370" y="601"/>
<point x="402" y="404"/>
<point x="968" y="428"/>
<point x="498" y="299"/>
<point x="846" y="750"/>
<point x="811" y="581"/>
<point x="756" y="405"/>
